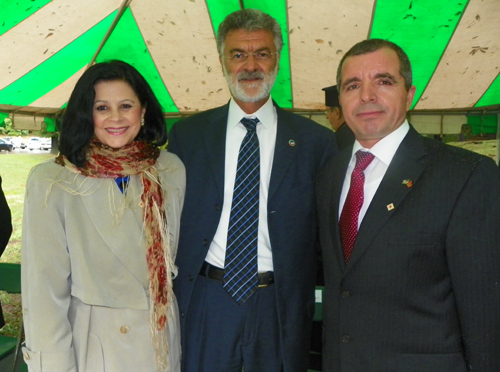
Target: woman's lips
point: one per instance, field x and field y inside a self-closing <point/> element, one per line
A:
<point x="116" y="131"/>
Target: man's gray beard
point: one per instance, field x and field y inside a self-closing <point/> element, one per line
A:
<point x="238" y="91"/>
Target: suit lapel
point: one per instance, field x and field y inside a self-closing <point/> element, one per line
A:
<point x="117" y="236"/>
<point x="214" y="138"/>
<point x="285" y="149"/>
<point x="336" y="189"/>
<point x="393" y="189"/>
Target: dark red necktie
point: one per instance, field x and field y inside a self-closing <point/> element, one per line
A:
<point x="348" y="223"/>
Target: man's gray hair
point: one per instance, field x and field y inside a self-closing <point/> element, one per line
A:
<point x="249" y="20"/>
<point x="372" y="45"/>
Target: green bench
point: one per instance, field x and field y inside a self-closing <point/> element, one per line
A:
<point x="10" y="282"/>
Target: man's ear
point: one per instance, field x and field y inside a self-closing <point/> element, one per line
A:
<point x="409" y="97"/>
<point x="338" y="113"/>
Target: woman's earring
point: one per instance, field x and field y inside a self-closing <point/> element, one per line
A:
<point x="142" y="121"/>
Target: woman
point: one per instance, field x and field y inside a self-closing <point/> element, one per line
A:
<point x="100" y="234"/>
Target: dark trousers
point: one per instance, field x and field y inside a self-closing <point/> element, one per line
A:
<point x="222" y="336"/>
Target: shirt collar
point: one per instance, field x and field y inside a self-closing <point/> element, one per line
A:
<point x="266" y="113"/>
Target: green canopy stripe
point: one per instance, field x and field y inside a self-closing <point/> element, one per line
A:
<point x="422" y="28"/>
<point x="56" y="69"/>
<point x="491" y="95"/>
<point x="14" y="12"/>
<point x="218" y="10"/>
<point x="127" y="44"/>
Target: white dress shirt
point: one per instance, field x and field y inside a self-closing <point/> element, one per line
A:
<point x="384" y="151"/>
<point x="266" y="132"/>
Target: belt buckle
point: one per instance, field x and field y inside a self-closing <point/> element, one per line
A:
<point x="268" y="280"/>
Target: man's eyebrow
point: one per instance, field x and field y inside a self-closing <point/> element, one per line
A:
<point x="381" y="75"/>
<point x="386" y="75"/>
<point x="263" y="49"/>
<point x="236" y="50"/>
<point x="349" y="81"/>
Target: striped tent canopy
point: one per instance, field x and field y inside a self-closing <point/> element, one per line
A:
<point x="454" y="47"/>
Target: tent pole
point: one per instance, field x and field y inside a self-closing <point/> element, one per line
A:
<point x="123" y="6"/>
<point x="441" y="125"/>
<point x="498" y="138"/>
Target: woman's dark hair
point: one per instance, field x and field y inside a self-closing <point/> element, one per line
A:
<point x="77" y="128"/>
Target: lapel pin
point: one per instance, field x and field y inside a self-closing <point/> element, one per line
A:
<point x="291" y="143"/>
<point x="390" y="207"/>
<point x="408" y="183"/>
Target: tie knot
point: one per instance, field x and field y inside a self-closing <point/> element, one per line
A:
<point x="249" y="123"/>
<point x="363" y="159"/>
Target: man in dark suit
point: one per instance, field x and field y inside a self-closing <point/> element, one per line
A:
<point x="267" y="327"/>
<point x="5" y="232"/>
<point x="343" y="134"/>
<point x="410" y="244"/>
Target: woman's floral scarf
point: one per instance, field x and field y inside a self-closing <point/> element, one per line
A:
<point x="138" y="158"/>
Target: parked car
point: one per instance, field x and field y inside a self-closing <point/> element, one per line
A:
<point x="6" y="145"/>
<point x="17" y="142"/>
<point x="46" y="143"/>
<point x="34" y="143"/>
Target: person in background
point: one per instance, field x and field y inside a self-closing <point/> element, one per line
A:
<point x="253" y="313"/>
<point x="5" y="232"/>
<point x="409" y="232"/>
<point x="343" y="134"/>
<point x="100" y="232"/>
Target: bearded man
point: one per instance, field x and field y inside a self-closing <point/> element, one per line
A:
<point x="248" y="242"/>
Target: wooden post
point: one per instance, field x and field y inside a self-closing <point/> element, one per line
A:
<point x="498" y="138"/>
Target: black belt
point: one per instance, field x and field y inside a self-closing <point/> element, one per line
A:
<point x="216" y="273"/>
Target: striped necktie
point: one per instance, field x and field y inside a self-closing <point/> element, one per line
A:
<point x="240" y="271"/>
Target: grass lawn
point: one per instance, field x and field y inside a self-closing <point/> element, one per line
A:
<point x="14" y="169"/>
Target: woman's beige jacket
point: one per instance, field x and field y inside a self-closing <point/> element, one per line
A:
<point x="84" y="274"/>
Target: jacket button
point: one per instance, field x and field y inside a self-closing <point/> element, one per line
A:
<point x="205" y="242"/>
<point x="182" y="315"/>
<point x="346" y="294"/>
<point x="346" y="339"/>
<point x="218" y="207"/>
<point x="190" y="277"/>
<point x="124" y="329"/>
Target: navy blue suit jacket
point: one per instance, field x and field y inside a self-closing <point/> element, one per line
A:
<point x="199" y="141"/>
<point x="344" y="136"/>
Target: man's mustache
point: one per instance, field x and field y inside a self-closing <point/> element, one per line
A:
<point x="251" y="75"/>
<point x="368" y="107"/>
